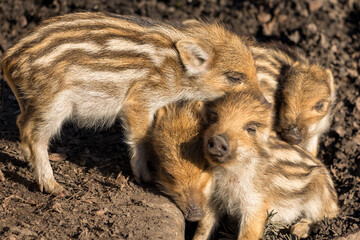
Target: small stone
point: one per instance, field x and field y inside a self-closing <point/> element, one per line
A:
<point x="315" y="5"/>
<point x="101" y="212"/>
<point x="357" y="103"/>
<point x="334" y="48"/>
<point x="312" y="28"/>
<point x="356" y="139"/>
<point x="264" y="17"/>
<point x="353" y="73"/>
<point x="340" y="130"/>
<point x="12" y="237"/>
<point x="56" y="207"/>
<point x="23" y="21"/>
<point x="161" y="6"/>
<point x="282" y="18"/>
<point x="2" y="178"/>
<point x="295" y="37"/>
<point x="268" y="28"/>
<point x="324" y="41"/>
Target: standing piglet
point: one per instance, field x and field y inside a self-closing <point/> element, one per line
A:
<point x="175" y="142"/>
<point x="91" y="68"/>
<point x="302" y="94"/>
<point x="254" y="173"/>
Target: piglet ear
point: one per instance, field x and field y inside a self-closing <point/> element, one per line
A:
<point x="198" y="106"/>
<point x="208" y="115"/>
<point x="195" y="54"/>
<point x="330" y="80"/>
<point x="160" y="115"/>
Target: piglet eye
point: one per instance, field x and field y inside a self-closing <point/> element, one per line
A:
<point x="213" y="117"/>
<point x="251" y="130"/>
<point x="235" y="77"/>
<point x="319" y="106"/>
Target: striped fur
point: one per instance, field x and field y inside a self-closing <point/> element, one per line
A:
<point x="180" y="168"/>
<point x="92" y="68"/>
<point x="261" y="173"/>
<point x="303" y="94"/>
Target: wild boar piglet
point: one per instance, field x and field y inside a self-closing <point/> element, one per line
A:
<point x="254" y="173"/>
<point x="302" y="93"/>
<point x="92" y="68"/>
<point x="175" y="142"/>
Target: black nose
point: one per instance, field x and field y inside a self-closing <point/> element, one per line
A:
<point x="292" y="135"/>
<point x="194" y="214"/>
<point x="218" y="146"/>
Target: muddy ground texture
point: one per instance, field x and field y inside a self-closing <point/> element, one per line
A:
<point x="103" y="201"/>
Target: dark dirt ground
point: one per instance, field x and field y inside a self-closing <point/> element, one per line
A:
<point x="104" y="204"/>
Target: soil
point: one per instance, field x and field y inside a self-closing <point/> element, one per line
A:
<point x="103" y="201"/>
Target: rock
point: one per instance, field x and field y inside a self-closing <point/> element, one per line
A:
<point x="171" y="224"/>
<point x="175" y="227"/>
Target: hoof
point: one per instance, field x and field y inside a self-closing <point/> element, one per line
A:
<point x="52" y="188"/>
<point x="301" y="229"/>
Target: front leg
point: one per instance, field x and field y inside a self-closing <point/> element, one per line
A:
<point x="252" y="224"/>
<point x="136" y="120"/>
<point x="206" y="225"/>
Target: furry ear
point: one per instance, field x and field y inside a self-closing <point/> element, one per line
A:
<point x="159" y="115"/>
<point x="199" y="107"/>
<point x="195" y="54"/>
<point x="208" y="115"/>
<point x="330" y="80"/>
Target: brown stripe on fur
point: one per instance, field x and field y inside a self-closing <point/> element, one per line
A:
<point x="91" y="32"/>
<point x="97" y="34"/>
<point x="104" y="61"/>
<point x="300" y="169"/>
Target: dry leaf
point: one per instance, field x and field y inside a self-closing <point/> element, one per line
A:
<point x="57" y="157"/>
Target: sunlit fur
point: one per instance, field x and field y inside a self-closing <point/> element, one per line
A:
<point x="262" y="173"/>
<point x="295" y="87"/>
<point x="175" y="142"/>
<point x="92" y="68"/>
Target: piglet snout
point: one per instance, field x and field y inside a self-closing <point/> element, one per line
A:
<point x="218" y="146"/>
